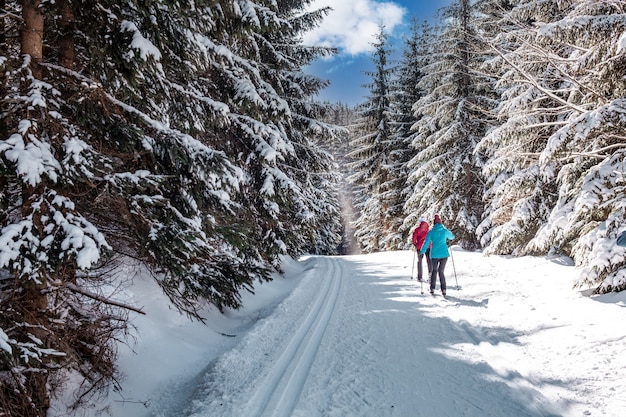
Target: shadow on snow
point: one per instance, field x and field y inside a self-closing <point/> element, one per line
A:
<point x="474" y="384"/>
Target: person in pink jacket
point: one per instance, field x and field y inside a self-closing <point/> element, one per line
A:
<point x="419" y="235"/>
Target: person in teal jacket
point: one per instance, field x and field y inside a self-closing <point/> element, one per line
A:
<point x="439" y="253"/>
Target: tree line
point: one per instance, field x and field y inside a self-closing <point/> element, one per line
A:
<point x="507" y="119"/>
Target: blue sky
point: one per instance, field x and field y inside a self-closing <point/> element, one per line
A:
<point x="351" y="27"/>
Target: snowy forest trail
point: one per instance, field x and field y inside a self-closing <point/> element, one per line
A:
<point x="356" y="337"/>
<point x="283" y="384"/>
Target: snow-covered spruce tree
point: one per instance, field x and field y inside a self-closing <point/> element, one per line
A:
<point x="50" y="317"/>
<point x="533" y="105"/>
<point x="371" y="153"/>
<point x="309" y="211"/>
<point x="417" y="55"/>
<point x="589" y="150"/>
<point x="404" y="93"/>
<point x="179" y="143"/>
<point x="446" y="172"/>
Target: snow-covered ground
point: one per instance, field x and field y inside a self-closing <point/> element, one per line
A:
<point x="355" y="336"/>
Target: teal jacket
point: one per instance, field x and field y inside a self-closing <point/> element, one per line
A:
<point x="437" y="236"/>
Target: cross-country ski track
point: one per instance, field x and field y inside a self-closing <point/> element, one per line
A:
<point x="356" y="337"/>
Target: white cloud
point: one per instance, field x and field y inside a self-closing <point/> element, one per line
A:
<point x="352" y="25"/>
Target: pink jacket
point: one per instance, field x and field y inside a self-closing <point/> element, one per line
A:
<point x="419" y="235"/>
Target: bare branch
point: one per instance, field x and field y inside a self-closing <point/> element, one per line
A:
<point x="532" y="81"/>
<point x="104" y="300"/>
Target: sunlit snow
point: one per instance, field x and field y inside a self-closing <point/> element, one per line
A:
<point x="355" y="336"/>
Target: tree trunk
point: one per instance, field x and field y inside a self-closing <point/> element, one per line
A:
<point x="34" y="311"/>
<point x="36" y="381"/>
<point x="3" y="28"/>
<point x="34" y="301"/>
<point x="32" y="34"/>
<point x="67" y="33"/>
<point x="3" y="50"/>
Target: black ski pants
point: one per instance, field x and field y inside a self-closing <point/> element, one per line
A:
<point x="438" y="264"/>
<point x="420" y="258"/>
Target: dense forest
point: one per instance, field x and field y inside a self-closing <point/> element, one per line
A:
<point x="186" y="138"/>
<point x="507" y="120"/>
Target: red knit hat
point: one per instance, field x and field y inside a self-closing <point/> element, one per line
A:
<point x="437" y="219"/>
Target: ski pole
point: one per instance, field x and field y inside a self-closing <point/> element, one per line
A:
<point x="454" y="269"/>
<point x="413" y="264"/>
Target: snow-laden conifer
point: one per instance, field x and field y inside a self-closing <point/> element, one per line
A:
<point x="371" y="152"/>
<point x="417" y="55"/>
<point x="589" y="148"/>
<point x="341" y="115"/>
<point x="520" y="192"/>
<point x="555" y="172"/>
<point x="445" y="172"/>
<point x="404" y="93"/>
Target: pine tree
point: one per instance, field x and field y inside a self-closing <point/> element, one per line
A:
<point x="418" y="50"/>
<point x="520" y="195"/>
<point x="587" y="152"/>
<point x="404" y="93"/>
<point x="446" y="172"/>
<point x="371" y="152"/>
<point x="555" y="169"/>
<point x="292" y="194"/>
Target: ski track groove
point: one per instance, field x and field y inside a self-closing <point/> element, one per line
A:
<point x="281" y="389"/>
